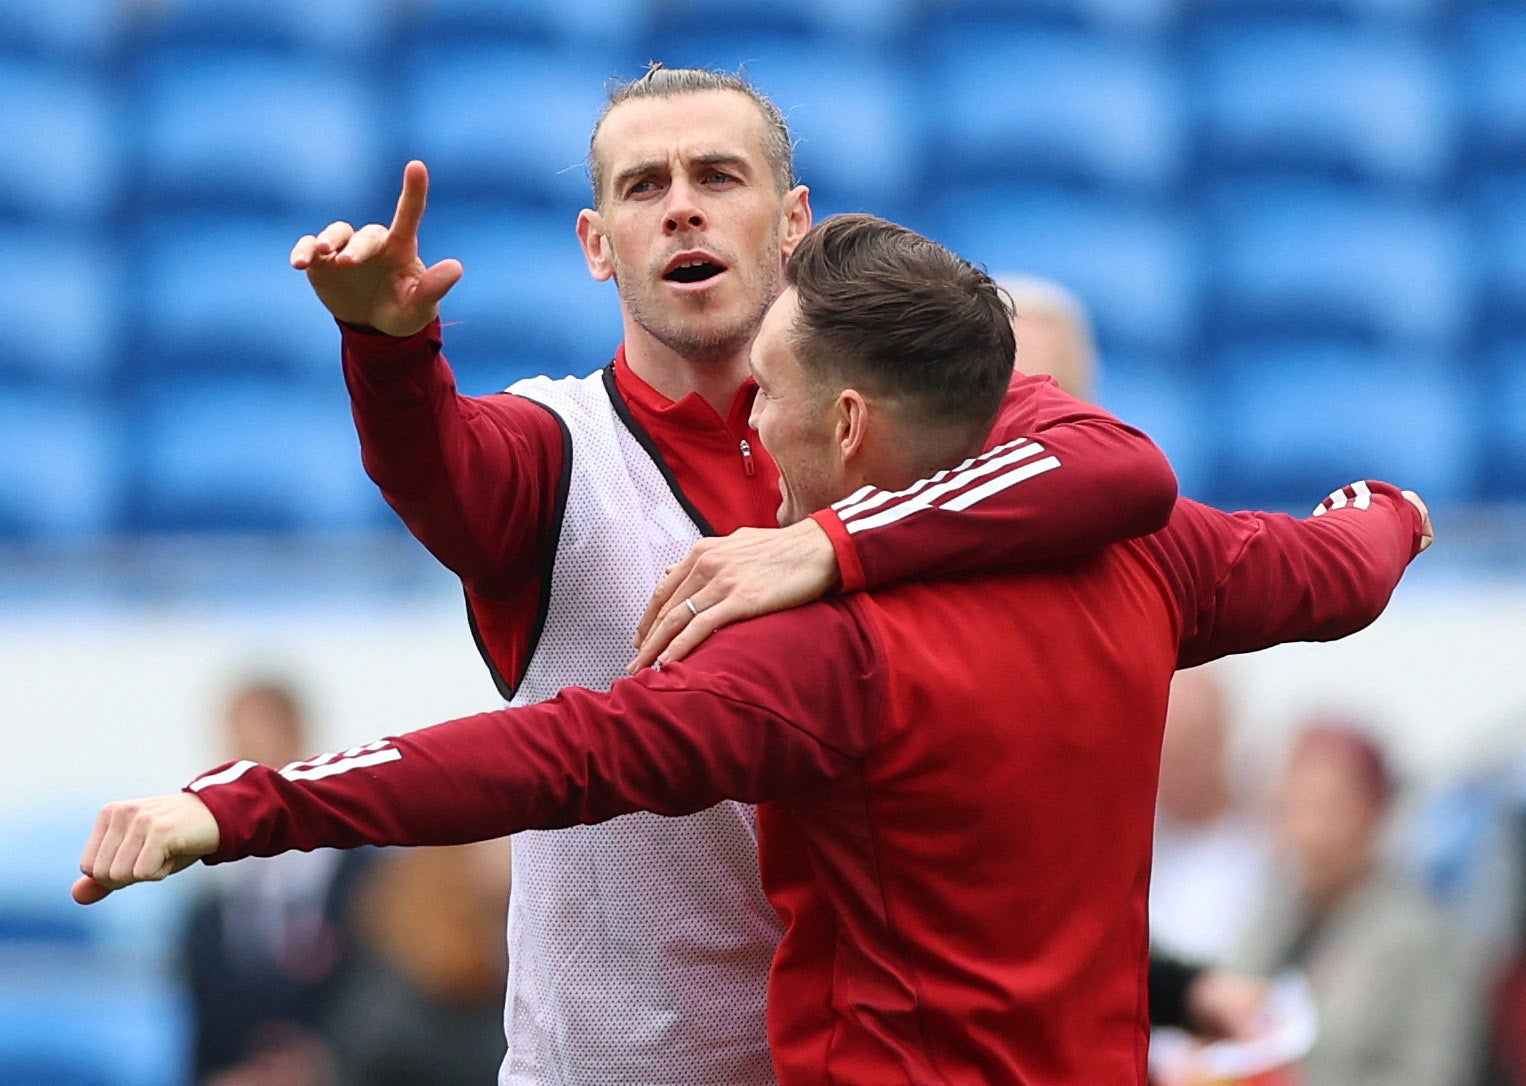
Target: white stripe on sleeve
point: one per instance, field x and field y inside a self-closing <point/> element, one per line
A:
<point x="957" y="482"/>
<point x="359" y="758"/>
<point x="1360" y="498"/>
<point x="1001" y="482"/>
<point x="868" y="498"/>
<point x="226" y="776"/>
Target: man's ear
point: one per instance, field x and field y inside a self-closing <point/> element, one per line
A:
<point x="595" y="243"/>
<point x="852" y="424"/>
<point x="797" y="218"/>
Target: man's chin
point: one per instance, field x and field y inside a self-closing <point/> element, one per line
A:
<point x="702" y="345"/>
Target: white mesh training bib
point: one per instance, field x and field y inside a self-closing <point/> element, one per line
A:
<point x="639" y="948"/>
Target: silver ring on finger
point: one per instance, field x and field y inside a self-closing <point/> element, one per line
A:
<point x="689" y="603"/>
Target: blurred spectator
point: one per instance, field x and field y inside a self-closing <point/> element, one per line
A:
<point x="1506" y="1063"/>
<point x="423" y="1005"/>
<point x="1054" y="334"/>
<point x="1397" y="1006"/>
<point x="266" y="940"/>
<point x="1211" y="855"/>
<point x="1208" y="1002"/>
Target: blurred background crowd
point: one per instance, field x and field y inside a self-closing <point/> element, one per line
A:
<point x="1298" y="228"/>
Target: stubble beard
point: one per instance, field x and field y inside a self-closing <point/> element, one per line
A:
<point x="691" y="338"/>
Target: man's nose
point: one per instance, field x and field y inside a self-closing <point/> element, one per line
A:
<point x="684" y="212"/>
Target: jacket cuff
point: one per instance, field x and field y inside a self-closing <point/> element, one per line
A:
<point x="849" y="568"/>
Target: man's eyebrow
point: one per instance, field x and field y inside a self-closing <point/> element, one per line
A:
<point x="732" y="161"/>
<point x="630" y="173"/>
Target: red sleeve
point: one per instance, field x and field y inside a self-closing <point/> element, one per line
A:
<point x="1247" y="581"/>
<point x="474" y="478"/>
<point x="1059" y="478"/>
<point x="729" y="722"/>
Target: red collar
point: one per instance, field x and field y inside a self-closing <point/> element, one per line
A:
<point x="692" y="412"/>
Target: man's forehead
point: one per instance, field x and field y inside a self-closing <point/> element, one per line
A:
<point x="699" y="123"/>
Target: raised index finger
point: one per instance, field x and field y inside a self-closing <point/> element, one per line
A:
<point x="410" y="204"/>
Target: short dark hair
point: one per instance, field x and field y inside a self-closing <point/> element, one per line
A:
<point x="883" y="308"/>
<point x="662" y="82"/>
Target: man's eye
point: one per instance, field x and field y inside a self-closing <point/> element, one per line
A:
<point x="717" y="177"/>
<point x="639" y="187"/>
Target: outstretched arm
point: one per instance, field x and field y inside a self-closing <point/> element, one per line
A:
<point x="731" y="723"/>
<point x="1247" y="581"/>
<point x="1059" y="478"/>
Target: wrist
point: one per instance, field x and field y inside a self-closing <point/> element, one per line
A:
<point x="848" y="570"/>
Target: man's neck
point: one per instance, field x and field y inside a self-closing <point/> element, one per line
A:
<point x="715" y="379"/>
<point x="897" y="457"/>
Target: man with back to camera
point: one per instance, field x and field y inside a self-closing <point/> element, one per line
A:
<point x="963" y="888"/>
<point x="560" y="506"/>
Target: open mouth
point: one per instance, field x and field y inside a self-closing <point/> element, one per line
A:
<point x="693" y="271"/>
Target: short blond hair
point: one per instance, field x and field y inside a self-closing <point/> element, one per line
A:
<point x="662" y="82"/>
<point x="1038" y="299"/>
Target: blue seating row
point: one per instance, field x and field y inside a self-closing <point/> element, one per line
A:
<point x="1320" y="185"/>
<point x="92" y="28"/>
<point x="1278" y="421"/>
<point x="212" y="293"/>
<point x="232" y="125"/>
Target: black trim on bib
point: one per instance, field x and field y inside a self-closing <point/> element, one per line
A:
<point x="645" y="441"/>
<point x="548" y="549"/>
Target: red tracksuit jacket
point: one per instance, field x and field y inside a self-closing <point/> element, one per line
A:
<point x="957" y="782"/>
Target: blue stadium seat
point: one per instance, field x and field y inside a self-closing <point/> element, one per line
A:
<point x="1491" y="60"/>
<point x="235" y="128"/>
<point x="81" y="30"/>
<point x="62" y="293"/>
<point x="1120" y="17"/>
<point x="1155" y="398"/>
<point x="842" y="21"/>
<point x="509" y="122"/>
<point x="251" y="455"/>
<point x="216" y="294"/>
<point x="1135" y="268"/>
<point x="617" y="24"/>
<point x="1066" y="107"/>
<point x="1298" y="419"/>
<point x="1503" y="406"/>
<point x="91" y="1022"/>
<point x="61" y="135"/>
<point x="1341" y="261"/>
<point x="333" y="27"/>
<point x="1334" y="103"/>
<point x="1250" y="13"/>
<point x="60" y="465"/>
<point x="526" y="304"/>
<point x="851" y="115"/>
<point x="1500" y="226"/>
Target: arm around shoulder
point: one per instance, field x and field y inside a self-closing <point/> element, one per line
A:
<point x="1059" y="478"/>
